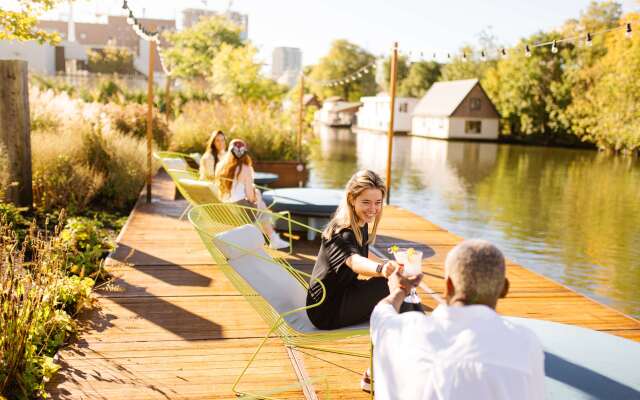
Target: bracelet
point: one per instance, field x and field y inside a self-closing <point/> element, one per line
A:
<point x="379" y="268"/>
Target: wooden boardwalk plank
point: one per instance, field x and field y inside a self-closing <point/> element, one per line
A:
<point x="171" y="326"/>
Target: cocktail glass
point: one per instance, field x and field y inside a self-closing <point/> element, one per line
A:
<point x="411" y="260"/>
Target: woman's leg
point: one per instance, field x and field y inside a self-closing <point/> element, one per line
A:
<point x="359" y="300"/>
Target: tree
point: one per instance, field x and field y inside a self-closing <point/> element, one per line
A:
<point x="111" y="60"/>
<point x="21" y="25"/>
<point x="402" y="71"/>
<point x="193" y="50"/>
<point x="344" y="58"/>
<point x="524" y="89"/>
<point x="470" y="67"/>
<point x="421" y="76"/>
<point x="234" y="73"/>
<point x="606" y="106"/>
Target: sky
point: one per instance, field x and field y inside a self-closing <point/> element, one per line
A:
<point x="417" y="25"/>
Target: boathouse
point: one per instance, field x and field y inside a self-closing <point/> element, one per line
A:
<point x="456" y="110"/>
<point x="374" y="113"/>
<point x="336" y="112"/>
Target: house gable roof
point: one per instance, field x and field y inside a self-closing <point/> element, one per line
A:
<point x="443" y="98"/>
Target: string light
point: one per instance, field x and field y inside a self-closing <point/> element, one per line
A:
<point x="125" y="6"/>
<point x="130" y="17"/>
<point x="502" y="52"/>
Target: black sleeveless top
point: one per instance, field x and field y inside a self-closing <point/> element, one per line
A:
<point x="331" y="269"/>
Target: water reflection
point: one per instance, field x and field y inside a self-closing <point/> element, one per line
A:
<point x="572" y="215"/>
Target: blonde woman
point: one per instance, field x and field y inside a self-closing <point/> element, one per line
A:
<point x="234" y="175"/>
<point x="213" y="153"/>
<point x="344" y="254"/>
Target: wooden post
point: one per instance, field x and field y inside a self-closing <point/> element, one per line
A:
<point x="300" y="117"/>
<point x="152" y="47"/>
<point x="392" y="105"/>
<point x="15" y="131"/>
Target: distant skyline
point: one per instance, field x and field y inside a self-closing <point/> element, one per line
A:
<point x="417" y="25"/>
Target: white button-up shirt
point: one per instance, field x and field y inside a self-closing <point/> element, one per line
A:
<point x="467" y="352"/>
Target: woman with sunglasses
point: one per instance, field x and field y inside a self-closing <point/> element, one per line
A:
<point x="235" y="184"/>
<point x="215" y="150"/>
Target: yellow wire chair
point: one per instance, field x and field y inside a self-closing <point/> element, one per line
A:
<point x="188" y="183"/>
<point x="274" y="288"/>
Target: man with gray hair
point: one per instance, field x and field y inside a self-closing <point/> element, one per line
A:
<point x="464" y="349"/>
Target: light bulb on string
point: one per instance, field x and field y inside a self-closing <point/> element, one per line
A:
<point x="421" y="54"/>
<point x="527" y="51"/>
<point x="503" y="52"/>
<point x="628" y="31"/>
<point x="130" y="18"/>
<point x="448" y="56"/>
<point x="434" y="56"/>
<point x="589" y="41"/>
<point x="483" y="56"/>
<point x="554" y="47"/>
<point x="464" y="56"/>
<point x="125" y="5"/>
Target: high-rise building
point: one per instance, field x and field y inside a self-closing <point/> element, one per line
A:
<point x="191" y="16"/>
<point x="286" y="61"/>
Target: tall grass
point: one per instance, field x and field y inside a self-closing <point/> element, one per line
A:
<point x="37" y="301"/>
<point x="83" y="154"/>
<point x="271" y="133"/>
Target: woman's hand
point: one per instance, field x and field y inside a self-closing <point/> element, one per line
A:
<point x="389" y="268"/>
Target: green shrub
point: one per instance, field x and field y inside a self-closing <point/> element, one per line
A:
<point x="131" y="119"/>
<point x="86" y="243"/>
<point x="64" y="182"/>
<point x="108" y="90"/>
<point x="123" y="161"/>
<point x="36" y="300"/>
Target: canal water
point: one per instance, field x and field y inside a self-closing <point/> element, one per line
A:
<point x="571" y="215"/>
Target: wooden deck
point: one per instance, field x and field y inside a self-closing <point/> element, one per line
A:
<point x="172" y="327"/>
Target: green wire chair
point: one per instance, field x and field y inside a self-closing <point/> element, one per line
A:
<point x="268" y="283"/>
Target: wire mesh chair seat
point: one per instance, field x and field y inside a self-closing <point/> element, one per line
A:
<point x="270" y="284"/>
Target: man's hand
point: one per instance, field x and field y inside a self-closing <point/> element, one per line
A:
<point x="398" y="282"/>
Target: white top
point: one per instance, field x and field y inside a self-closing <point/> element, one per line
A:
<point x="208" y="166"/>
<point x="467" y="352"/>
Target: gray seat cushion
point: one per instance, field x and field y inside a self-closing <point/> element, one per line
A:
<point x="244" y="249"/>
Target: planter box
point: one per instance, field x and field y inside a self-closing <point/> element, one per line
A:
<point x="288" y="174"/>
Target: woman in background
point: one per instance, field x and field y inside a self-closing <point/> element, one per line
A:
<point x="235" y="175"/>
<point x="215" y="150"/>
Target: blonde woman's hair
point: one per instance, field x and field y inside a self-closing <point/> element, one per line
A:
<point x="345" y="216"/>
<point x="230" y="168"/>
